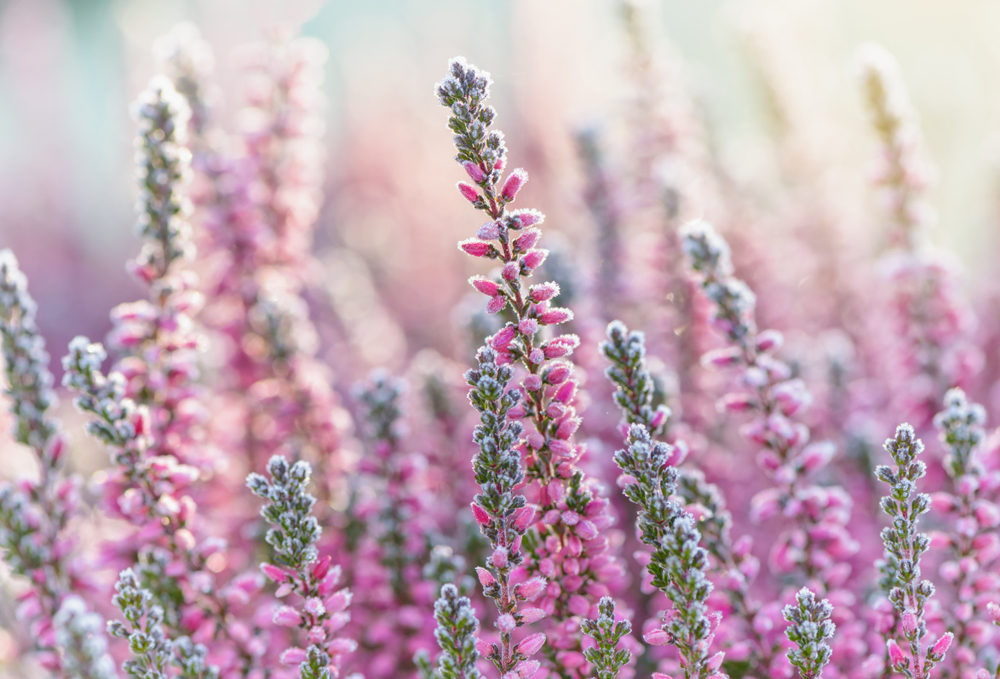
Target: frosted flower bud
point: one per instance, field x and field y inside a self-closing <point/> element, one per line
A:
<point x="543" y="292"/>
<point x="286" y="616"/>
<point x="941" y="647"/>
<point x="528" y="326"/>
<point x="531" y="644"/>
<point x="533" y="258"/>
<point x="486" y="578"/>
<point x="895" y="653"/>
<point x="530" y="589"/>
<point x="485" y="286"/>
<point x="527" y="240"/>
<point x="536" y="356"/>
<point x="506" y="623"/>
<point x="503" y="338"/>
<point x="476" y="173"/>
<point x="468" y="192"/>
<point x="499" y="557"/>
<point x="482" y="517"/>
<point x="475" y="248"/>
<point x="558" y="373"/>
<point x="526" y="669"/>
<point x="293" y="656"/>
<point x="496" y="304"/>
<point x="656" y="637"/>
<point x="314" y="606"/>
<point x="530" y="615"/>
<point x="515" y="180"/>
<point x="909" y="622"/>
<point x="488" y="231"/>
<point x="510" y="271"/>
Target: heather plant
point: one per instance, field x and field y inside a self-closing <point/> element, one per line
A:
<point x="712" y="511"/>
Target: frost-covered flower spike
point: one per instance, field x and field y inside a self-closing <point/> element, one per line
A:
<point x="906" y="545"/>
<point x="293" y="535"/>
<point x="607" y="658"/>
<point x="34" y="515"/>
<point x="809" y="629"/>
<point x="456" y="635"/>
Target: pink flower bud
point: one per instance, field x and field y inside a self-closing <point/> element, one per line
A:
<point x="543" y="292"/>
<point x="656" y="637"/>
<point x="566" y="392"/>
<point x="560" y="448"/>
<point x="474" y="247"/>
<point x="273" y="572"/>
<point x="895" y="653"/>
<point x="510" y="271"/>
<point x="722" y="358"/>
<point x="482" y="517"/>
<point x="496" y="304"/>
<point x="909" y="621"/>
<point x="515" y="180"/>
<point x="293" y="656"/>
<point x="530" y="615"/>
<point x="503" y="338"/>
<point x="499" y="557"/>
<point x="941" y="647"/>
<point x="476" y="173"/>
<point x="715" y="662"/>
<point x="530" y="589"/>
<point x="486" y="578"/>
<point x="558" y="373"/>
<point x="526" y="669"/>
<point x="506" y="623"/>
<point x="488" y="231"/>
<point x="468" y="192"/>
<point x="533" y="258"/>
<point x="321" y="568"/>
<point x="587" y="530"/>
<point x="555" y="316"/>
<point x="527" y="240"/>
<point x="536" y="356"/>
<point x="561" y="346"/>
<point x="485" y="286"/>
<point x="769" y="340"/>
<point x="994" y="612"/>
<point x="528" y="218"/>
<point x="532" y="644"/>
<point x="525" y="516"/>
<point x="578" y="605"/>
<point x="316" y="635"/>
<point x="286" y="616"/>
<point x="532" y="382"/>
<point x="528" y="326"/>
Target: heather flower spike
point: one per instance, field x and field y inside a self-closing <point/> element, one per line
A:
<point x="293" y="535"/>
<point x="607" y="658"/>
<point x="902" y="541"/>
<point x="456" y="635"/>
<point x="809" y="629"/>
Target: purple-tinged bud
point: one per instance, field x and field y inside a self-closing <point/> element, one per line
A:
<point x="527" y="240"/>
<point x="321" y="568"/>
<point x="722" y="358"/>
<point x="485" y="286"/>
<point x="314" y="606"/>
<point x="566" y="392"/>
<point x="532" y="644"/>
<point x="496" y="304"/>
<point x="488" y="231"/>
<point x="530" y="615"/>
<point x="476" y="173"/>
<point x="543" y="292"/>
<point x="560" y="448"/>
<point x="274" y="573"/>
<point x="532" y="382"/>
<point x="536" y="356"/>
<point x="909" y="621"/>
<point x="482" y="517"/>
<point x="499" y="558"/>
<point x="561" y="346"/>
<point x="530" y="589"/>
<point x="510" y="271"/>
<point x="515" y="180"/>
<point x="769" y="340"/>
<point x="817" y="455"/>
<point x="558" y="373"/>
<point x="715" y="662"/>
<point x="555" y="316"/>
<point x="994" y="612"/>
<point x="316" y="635"/>
<point x="286" y="616"/>
<point x="485" y="577"/>
<point x="474" y="247"/>
<point x="533" y="258"/>
<point x="526" y="669"/>
<point x="525" y="516"/>
<point x="468" y="192"/>
<point x="293" y="656"/>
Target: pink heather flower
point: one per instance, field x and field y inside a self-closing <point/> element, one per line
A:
<point x="528" y="326"/>
<point x="895" y="653"/>
<point x="561" y="448"/>
<point x="293" y="656"/>
<point x="485" y="577"/>
<point x="527" y="668"/>
<point x="769" y="340"/>
<point x="536" y="356"/>
<point x="482" y="517"/>
<point x="510" y="271"/>
<point x="532" y="644"/>
<point x="543" y="292"/>
<point x="909" y="622"/>
<point x="533" y="258"/>
<point x="476" y="173"/>
<point x="515" y="180"/>
<point x="941" y="647"/>
<point x="496" y="304"/>
<point x="527" y="240"/>
<point x="528" y="218"/>
<point x="506" y="623"/>
<point x="286" y="616"/>
<point x="555" y="316"/>
<point x="468" y="192"/>
<point x="485" y="286"/>
<point x="530" y="615"/>
<point x="322" y="568"/>
<point x="314" y="606"/>
<point x="488" y="231"/>
<point x="530" y="589"/>
<point x="525" y="516"/>
<point x="532" y="382"/>
<point x="474" y="247"/>
<point x="504" y="337"/>
<point x="499" y="557"/>
<point x="994" y="612"/>
<point x="656" y="637"/>
<point x="558" y="373"/>
<point x="715" y="662"/>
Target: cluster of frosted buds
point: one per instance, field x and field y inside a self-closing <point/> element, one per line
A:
<point x="678" y="563"/>
<point x="634" y="396"/>
<point x="297" y="569"/>
<point x="565" y="545"/>
<point x="974" y="544"/>
<point x="607" y="658"/>
<point x="398" y="517"/>
<point x="34" y="516"/>
<point x="809" y="629"/>
<point x="80" y="637"/>
<point x="820" y="543"/>
<point x="503" y="516"/>
<point x="154" y="653"/>
<point x="456" y="635"/>
<point x="902" y="541"/>
<point x="902" y="173"/>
